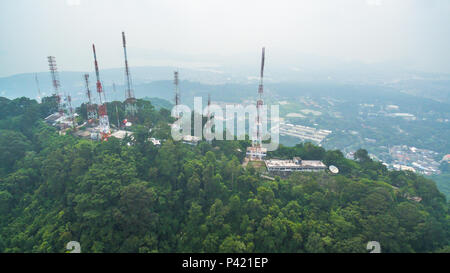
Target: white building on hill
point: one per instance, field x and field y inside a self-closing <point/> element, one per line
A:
<point x="286" y="167"/>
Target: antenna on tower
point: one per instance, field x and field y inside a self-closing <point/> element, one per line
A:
<point x="261" y="84"/>
<point x="257" y="151"/>
<point x="260" y="103"/>
<point x="71" y="111"/>
<point x="209" y="105"/>
<point x="105" y="130"/>
<point x="130" y="101"/>
<point x="56" y="84"/>
<point x="176" y="81"/>
<point x="90" y="108"/>
<point x="38" y="88"/>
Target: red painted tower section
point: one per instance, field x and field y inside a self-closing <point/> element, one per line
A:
<point x="105" y="130"/>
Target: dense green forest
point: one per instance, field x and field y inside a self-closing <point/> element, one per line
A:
<point x="131" y="196"/>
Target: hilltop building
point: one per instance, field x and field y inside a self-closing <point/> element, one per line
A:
<point x="286" y="167"/>
<point x="59" y="120"/>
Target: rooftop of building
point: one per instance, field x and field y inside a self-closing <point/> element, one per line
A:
<point x="296" y="162"/>
<point x="53" y="117"/>
<point x="257" y="149"/>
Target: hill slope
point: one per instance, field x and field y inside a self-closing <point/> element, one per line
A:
<point x="116" y="197"/>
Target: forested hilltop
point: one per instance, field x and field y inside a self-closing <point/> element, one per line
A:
<point x="131" y="196"/>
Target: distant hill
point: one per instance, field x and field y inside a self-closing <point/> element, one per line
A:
<point x="422" y="85"/>
<point x="160" y="103"/>
<point x="24" y="84"/>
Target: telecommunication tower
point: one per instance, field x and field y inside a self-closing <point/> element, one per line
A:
<point x="71" y="111"/>
<point x="257" y="142"/>
<point x="56" y="84"/>
<point x="105" y="129"/>
<point x="39" y="97"/>
<point x="208" y="115"/>
<point x="130" y="100"/>
<point x="257" y="151"/>
<point x="90" y="107"/>
<point x="176" y="82"/>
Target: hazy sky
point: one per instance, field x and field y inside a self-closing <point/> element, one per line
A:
<point x="414" y="33"/>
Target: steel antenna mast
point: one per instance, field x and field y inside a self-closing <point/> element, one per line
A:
<point x="38" y="88"/>
<point x="130" y="101"/>
<point x="56" y="83"/>
<point x="90" y="108"/>
<point x="260" y="103"/>
<point x="105" y="129"/>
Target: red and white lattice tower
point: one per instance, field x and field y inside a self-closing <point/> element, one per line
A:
<point x="130" y="100"/>
<point x="90" y="107"/>
<point x="105" y="129"/>
<point x="257" y="139"/>
<point x="56" y="84"/>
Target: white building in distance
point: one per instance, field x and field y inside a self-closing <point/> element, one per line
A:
<point x="286" y="167"/>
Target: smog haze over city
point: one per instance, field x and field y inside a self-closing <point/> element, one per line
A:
<point x="409" y="34"/>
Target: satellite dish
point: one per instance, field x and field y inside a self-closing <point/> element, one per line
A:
<point x="333" y="169"/>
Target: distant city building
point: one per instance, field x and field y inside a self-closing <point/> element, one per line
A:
<point x="303" y="132"/>
<point x="399" y="167"/>
<point x="421" y="160"/>
<point x="392" y="107"/>
<point x="370" y="140"/>
<point x="286" y="167"/>
<point x="406" y="116"/>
